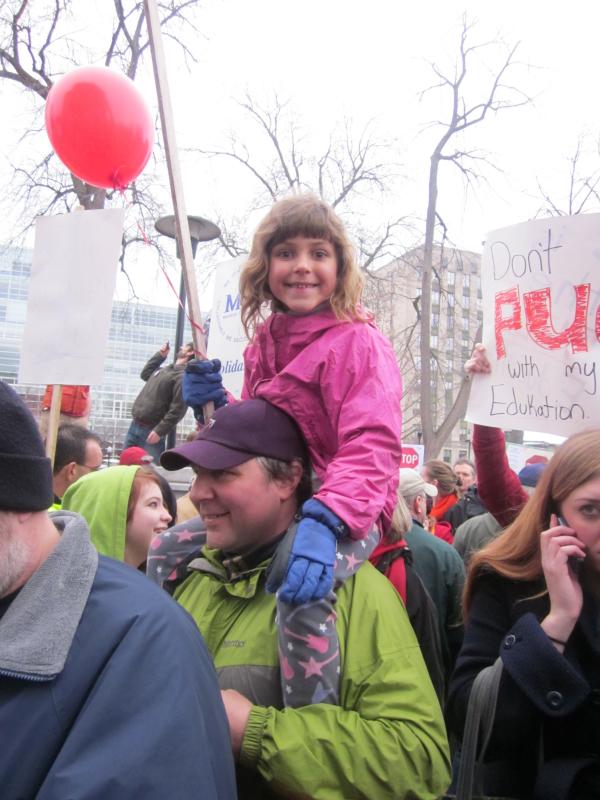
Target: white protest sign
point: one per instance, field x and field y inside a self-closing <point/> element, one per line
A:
<point x="72" y="282"/>
<point x="226" y="338"/>
<point x="541" y="327"/>
<point x="516" y="456"/>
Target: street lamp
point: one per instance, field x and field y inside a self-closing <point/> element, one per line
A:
<point x="201" y="230"/>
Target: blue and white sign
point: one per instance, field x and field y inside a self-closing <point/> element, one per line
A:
<point x="226" y="339"/>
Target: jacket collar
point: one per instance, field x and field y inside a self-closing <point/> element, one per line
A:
<point x="37" y="630"/>
<point x="240" y="574"/>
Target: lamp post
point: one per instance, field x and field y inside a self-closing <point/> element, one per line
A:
<point x="201" y="230"/>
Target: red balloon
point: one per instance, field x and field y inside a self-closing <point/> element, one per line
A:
<point x="99" y="126"/>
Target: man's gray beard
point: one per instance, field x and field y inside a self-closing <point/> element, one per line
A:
<point x="14" y="558"/>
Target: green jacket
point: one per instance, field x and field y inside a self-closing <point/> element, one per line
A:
<point x="442" y="571"/>
<point x="160" y="404"/>
<point x="386" y="740"/>
<point x="101" y="498"/>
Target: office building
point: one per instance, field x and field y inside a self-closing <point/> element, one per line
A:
<point x="393" y="294"/>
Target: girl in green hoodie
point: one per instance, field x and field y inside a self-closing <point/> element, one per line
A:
<point x="124" y="508"/>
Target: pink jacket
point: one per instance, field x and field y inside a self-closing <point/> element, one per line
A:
<point x="340" y="382"/>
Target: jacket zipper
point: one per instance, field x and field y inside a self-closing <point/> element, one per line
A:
<point x="6" y="673"/>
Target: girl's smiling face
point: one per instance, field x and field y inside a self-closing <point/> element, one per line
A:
<point x="581" y="511"/>
<point x="150" y="517"/>
<point x="302" y="273"/>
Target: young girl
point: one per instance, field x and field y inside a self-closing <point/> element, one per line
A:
<point x="319" y="357"/>
<point x="125" y="508"/>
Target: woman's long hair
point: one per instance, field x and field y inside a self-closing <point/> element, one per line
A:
<point x="401" y="519"/>
<point x="299" y="215"/>
<point x="516" y="552"/>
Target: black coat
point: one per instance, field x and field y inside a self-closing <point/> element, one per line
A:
<point x="468" y="506"/>
<point x="544" y="695"/>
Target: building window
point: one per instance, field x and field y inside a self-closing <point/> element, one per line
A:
<point x="447" y="455"/>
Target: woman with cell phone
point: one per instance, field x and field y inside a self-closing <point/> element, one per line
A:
<point x="532" y="597"/>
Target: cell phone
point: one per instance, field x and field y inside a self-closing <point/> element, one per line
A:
<point x="575" y="562"/>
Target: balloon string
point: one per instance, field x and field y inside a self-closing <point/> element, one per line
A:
<point x="143" y="233"/>
<point x="192" y="322"/>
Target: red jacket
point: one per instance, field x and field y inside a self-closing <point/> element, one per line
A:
<point x="396" y="572"/>
<point x="497" y="484"/>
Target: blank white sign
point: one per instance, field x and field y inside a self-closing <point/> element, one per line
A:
<point x="70" y="297"/>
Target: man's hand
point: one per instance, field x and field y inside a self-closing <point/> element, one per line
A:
<point x="164" y="350"/>
<point x="153" y="438"/>
<point x="237" y="708"/>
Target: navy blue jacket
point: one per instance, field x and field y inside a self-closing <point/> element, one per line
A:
<point x="545" y="696"/>
<point x="135" y="712"/>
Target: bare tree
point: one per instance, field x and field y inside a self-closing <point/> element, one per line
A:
<point x="582" y="181"/>
<point x="350" y="168"/>
<point x="464" y="114"/>
<point x="36" y="46"/>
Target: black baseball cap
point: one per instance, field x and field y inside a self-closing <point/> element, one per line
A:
<point x="237" y="433"/>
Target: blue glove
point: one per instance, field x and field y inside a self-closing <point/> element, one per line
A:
<point x="202" y="384"/>
<point x="309" y="574"/>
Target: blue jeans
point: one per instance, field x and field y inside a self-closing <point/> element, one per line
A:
<point x="136" y="437"/>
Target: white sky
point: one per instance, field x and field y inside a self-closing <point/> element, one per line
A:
<point x="334" y="59"/>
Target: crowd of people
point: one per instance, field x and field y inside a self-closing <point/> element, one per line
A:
<point x="312" y="622"/>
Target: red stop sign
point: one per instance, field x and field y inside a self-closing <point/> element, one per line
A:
<point x="410" y="458"/>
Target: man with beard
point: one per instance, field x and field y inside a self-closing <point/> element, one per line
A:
<point x="88" y="649"/>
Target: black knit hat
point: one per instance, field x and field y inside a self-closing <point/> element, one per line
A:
<point x="25" y="472"/>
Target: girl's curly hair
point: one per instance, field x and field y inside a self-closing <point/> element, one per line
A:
<point x="299" y="215"/>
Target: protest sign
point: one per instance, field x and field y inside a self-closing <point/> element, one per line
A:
<point x="541" y="327"/>
<point x="516" y="456"/>
<point x="71" y="289"/>
<point x="413" y="456"/>
<point x="226" y="338"/>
